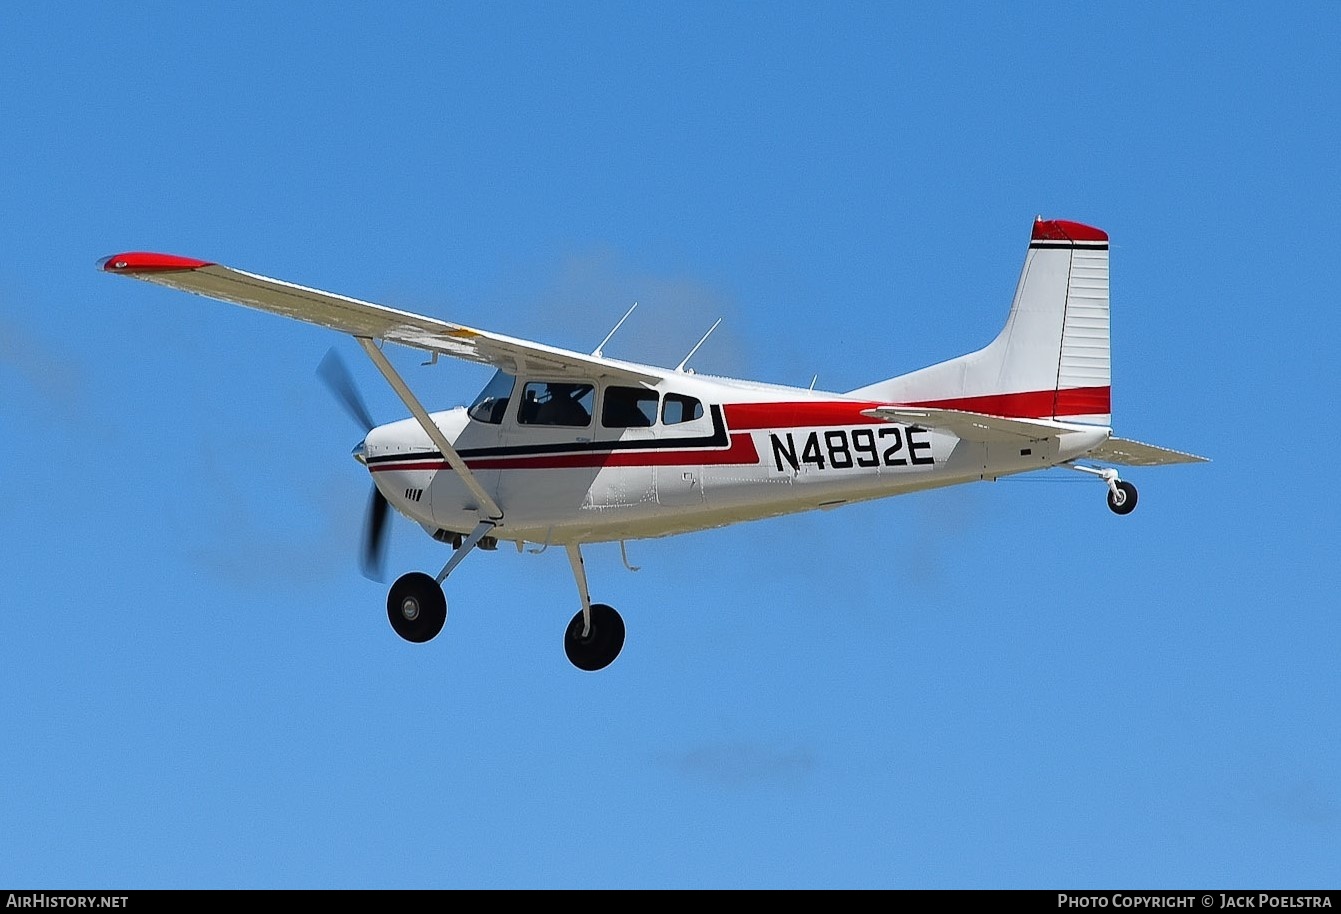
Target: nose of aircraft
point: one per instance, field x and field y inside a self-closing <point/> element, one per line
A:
<point x="402" y="437"/>
<point x="379" y="440"/>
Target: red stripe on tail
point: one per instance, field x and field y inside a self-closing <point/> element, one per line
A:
<point x="1034" y="404"/>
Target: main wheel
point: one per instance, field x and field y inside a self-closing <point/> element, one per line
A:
<point x="1123" y="501"/>
<point x="601" y="645"/>
<point x="416" y="607"/>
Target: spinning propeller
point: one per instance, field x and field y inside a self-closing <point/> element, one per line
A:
<point x="335" y="375"/>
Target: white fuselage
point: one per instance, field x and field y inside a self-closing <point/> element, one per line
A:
<point x="754" y="451"/>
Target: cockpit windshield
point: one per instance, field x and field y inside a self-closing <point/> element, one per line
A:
<point x="492" y="403"/>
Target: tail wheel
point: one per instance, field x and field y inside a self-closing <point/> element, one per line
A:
<point x="599" y="648"/>
<point x="416" y="607"/>
<point x="1122" y="498"/>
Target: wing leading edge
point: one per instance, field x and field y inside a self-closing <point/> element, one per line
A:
<point x="365" y="319"/>
<point x="970" y="426"/>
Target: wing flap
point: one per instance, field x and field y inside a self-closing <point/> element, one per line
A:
<point x="1125" y="452"/>
<point x="365" y="319"/>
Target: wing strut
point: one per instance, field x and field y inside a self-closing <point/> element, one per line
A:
<point x="487" y="505"/>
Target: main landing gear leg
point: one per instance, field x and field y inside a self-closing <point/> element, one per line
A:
<point x="595" y="636"/>
<point x="416" y="606"/>
<point x="1121" y="494"/>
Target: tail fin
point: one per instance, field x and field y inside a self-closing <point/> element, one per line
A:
<point x="1051" y="360"/>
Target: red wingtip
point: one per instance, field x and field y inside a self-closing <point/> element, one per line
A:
<point x="145" y="262"/>
<point x="1061" y="230"/>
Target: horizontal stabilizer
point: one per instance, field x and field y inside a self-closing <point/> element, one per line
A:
<point x="1135" y="454"/>
<point x="967" y="425"/>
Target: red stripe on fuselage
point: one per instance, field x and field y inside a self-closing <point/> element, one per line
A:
<point x="742" y="417"/>
<point x="1035" y="404"/>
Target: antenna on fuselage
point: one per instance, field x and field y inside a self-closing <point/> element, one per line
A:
<point x="682" y="364"/>
<point x="597" y="351"/>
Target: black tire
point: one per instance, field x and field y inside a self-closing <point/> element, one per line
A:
<point x="416" y="607"/>
<point x="1123" y="501"/>
<point x="601" y="646"/>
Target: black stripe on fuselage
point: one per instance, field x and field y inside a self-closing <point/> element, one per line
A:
<point x="1085" y="245"/>
<point x="718" y="439"/>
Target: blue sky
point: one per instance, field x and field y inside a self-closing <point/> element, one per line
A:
<point x="1000" y="685"/>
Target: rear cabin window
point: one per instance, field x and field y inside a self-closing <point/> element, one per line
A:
<point x="629" y="407"/>
<point x="556" y="403"/>
<point x="679" y="408"/>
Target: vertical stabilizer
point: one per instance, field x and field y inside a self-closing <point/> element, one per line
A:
<point x="1051" y="361"/>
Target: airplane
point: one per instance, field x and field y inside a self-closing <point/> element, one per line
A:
<point x="565" y="448"/>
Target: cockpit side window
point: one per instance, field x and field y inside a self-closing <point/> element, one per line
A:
<point x="492" y="403"/>
<point x="629" y="407"/>
<point x="678" y="408"/>
<point x="556" y="403"/>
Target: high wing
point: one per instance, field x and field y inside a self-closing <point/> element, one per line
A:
<point x="967" y="425"/>
<point x="1136" y="454"/>
<point x="364" y="319"/>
